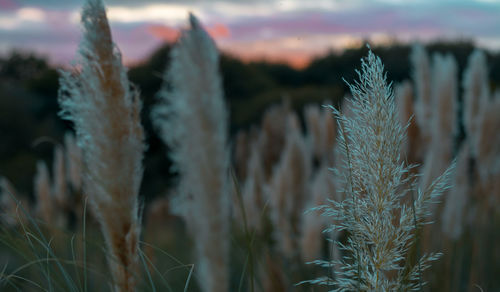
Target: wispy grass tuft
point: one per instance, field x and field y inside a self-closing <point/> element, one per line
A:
<point x="380" y="228"/>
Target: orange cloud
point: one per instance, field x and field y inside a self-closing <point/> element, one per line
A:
<point x="169" y="34"/>
<point x="163" y="32"/>
<point x="296" y="60"/>
<point x="218" y="31"/>
<point x="281" y="50"/>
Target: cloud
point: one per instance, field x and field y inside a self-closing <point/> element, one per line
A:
<point x="298" y="50"/>
<point x="8" y="5"/>
<point x="167" y="14"/>
<point x="218" y="31"/>
<point x="51" y="4"/>
<point x="163" y="32"/>
<point x="31" y="14"/>
<point x="171" y="34"/>
<point x="22" y="18"/>
<point x="274" y="29"/>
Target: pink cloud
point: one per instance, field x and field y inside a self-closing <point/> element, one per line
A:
<point x="273" y="37"/>
<point x="58" y="19"/>
<point x="164" y="32"/>
<point x="8" y="5"/>
<point x="170" y="34"/>
<point x="266" y="51"/>
<point x="218" y="31"/>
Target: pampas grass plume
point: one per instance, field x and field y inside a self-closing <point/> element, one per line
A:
<point x="444" y="118"/>
<point x="288" y="188"/>
<point x="272" y="136"/>
<point x="488" y="151"/>
<point x="320" y="127"/>
<point x="476" y="94"/>
<point x="99" y="100"/>
<point x="421" y="74"/>
<point x="253" y="192"/>
<point x="192" y="119"/>
<point x="321" y="188"/>
<point x="381" y="228"/>
<point x="444" y="98"/>
<point x="454" y="211"/>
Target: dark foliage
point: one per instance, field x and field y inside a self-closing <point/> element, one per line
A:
<point x="29" y="85"/>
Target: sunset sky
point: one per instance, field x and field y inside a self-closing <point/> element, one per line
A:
<point x="278" y="30"/>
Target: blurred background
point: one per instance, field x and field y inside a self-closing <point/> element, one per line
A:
<point x="289" y="54"/>
<point x="271" y="49"/>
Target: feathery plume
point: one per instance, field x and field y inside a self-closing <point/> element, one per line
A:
<point x="488" y="151"/>
<point x="380" y="227"/>
<point x="444" y="98"/>
<point x="272" y="135"/>
<point x="322" y="188"/>
<point x="288" y="188"/>
<point x="253" y="193"/>
<point x="192" y="119"/>
<point x="444" y="118"/>
<point x="475" y="84"/>
<point x="455" y="206"/>
<point x="320" y="129"/>
<point x="105" y="110"/>
<point x="421" y="74"/>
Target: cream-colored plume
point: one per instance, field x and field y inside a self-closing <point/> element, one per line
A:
<point x="288" y="188"/>
<point x="192" y="119"/>
<point x="105" y="110"/>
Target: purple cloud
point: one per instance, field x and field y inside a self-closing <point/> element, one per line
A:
<point x="270" y="28"/>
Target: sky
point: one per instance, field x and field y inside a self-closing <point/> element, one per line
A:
<point x="292" y="31"/>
